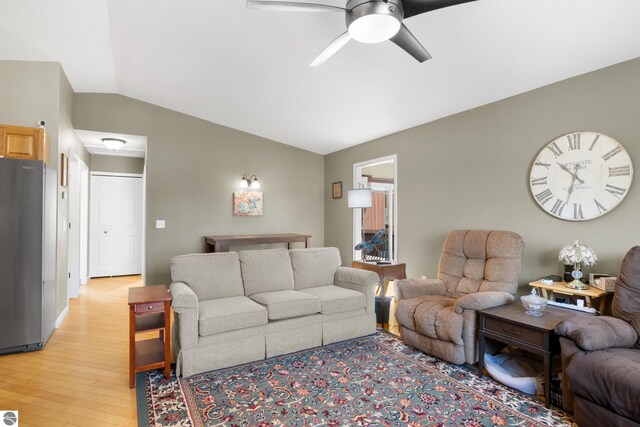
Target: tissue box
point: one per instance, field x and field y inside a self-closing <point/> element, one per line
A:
<point x="607" y="284"/>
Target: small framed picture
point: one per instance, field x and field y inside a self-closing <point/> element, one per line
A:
<point x="336" y="190"/>
<point x="64" y="170"/>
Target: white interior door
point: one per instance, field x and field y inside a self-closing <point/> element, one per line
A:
<point x="116" y="226"/>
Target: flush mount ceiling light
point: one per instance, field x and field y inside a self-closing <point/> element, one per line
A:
<point x="113" y="144"/>
<point x="368" y="21"/>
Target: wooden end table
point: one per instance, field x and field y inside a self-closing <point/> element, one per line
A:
<point x="509" y="324"/>
<point x="386" y="272"/>
<point x="149" y="310"/>
<point x="549" y="291"/>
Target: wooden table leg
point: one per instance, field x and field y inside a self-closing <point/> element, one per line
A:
<point x="603" y="304"/>
<point x="167" y="339"/>
<point x="383" y="297"/>
<point x="481" y="344"/>
<point x="132" y="347"/>
<point x="546" y="356"/>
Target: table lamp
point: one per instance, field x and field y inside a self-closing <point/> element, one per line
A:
<point x="575" y="254"/>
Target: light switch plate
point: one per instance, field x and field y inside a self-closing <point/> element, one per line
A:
<point x="160" y="223"/>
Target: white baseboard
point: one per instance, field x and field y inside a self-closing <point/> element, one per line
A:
<point x="60" y="318"/>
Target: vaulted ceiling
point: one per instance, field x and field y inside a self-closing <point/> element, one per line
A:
<point x="248" y="69"/>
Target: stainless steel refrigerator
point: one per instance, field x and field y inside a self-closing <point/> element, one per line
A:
<point x="28" y="193"/>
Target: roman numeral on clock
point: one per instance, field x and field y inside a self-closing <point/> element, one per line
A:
<point x="612" y="153"/>
<point x="539" y="163"/>
<point x="620" y="171"/>
<point x="615" y="191"/>
<point x="601" y="209"/>
<point x="593" y="144"/>
<point x="553" y="147"/>
<point x="574" y="141"/>
<point x="557" y="207"/>
<point x="539" y="181"/>
<point x="544" y="196"/>
<point x="577" y="211"/>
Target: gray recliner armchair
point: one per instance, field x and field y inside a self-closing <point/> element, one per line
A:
<point x="601" y="357"/>
<point x="478" y="269"/>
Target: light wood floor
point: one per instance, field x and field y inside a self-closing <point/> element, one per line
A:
<point x="81" y="377"/>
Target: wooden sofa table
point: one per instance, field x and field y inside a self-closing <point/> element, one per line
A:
<point x="509" y="324"/>
<point x="222" y="243"/>
<point x="149" y="311"/>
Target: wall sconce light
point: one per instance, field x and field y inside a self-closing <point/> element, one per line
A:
<point x="251" y="182"/>
<point x="113" y="144"/>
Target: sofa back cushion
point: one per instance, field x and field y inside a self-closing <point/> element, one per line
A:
<point x="480" y="260"/>
<point x="215" y="275"/>
<point x="626" y="298"/>
<point x="314" y="267"/>
<point x="266" y="270"/>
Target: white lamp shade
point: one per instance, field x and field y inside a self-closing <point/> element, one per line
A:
<point x="255" y="184"/>
<point x="244" y="183"/>
<point x="577" y="253"/>
<point x="359" y="198"/>
<point x="374" y="28"/>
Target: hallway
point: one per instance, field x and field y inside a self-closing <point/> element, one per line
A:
<point x="81" y="377"/>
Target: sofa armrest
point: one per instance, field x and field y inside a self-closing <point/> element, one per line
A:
<point x="591" y="333"/>
<point x="185" y="306"/>
<point x="411" y="288"/>
<point x="359" y="280"/>
<point x="482" y="300"/>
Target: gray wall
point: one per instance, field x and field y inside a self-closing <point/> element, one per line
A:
<point x="33" y="91"/>
<point x="116" y="164"/>
<point x="471" y="170"/>
<point x="192" y="169"/>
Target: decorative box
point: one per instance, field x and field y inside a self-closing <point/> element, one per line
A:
<point x="607" y="284"/>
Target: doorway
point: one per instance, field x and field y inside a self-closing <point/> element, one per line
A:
<point x="377" y="224"/>
<point x="78" y="191"/>
<point x="116" y="224"/>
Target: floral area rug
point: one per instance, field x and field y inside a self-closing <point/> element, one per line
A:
<point x="369" y="381"/>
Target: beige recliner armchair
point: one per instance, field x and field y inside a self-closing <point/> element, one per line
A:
<point x="478" y="269"/>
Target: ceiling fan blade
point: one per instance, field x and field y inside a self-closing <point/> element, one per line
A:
<point x="407" y="41"/>
<point x="416" y="7"/>
<point x="291" y="6"/>
<point x="328" y="51"/>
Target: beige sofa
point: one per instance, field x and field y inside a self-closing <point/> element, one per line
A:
<point x="235" y="308"/>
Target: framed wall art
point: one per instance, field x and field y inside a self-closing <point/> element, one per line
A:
<point x="247" y="203"/>
<point x="336" y="190"/>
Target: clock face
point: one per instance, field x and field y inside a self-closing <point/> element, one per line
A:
<point x="581" y="176"/>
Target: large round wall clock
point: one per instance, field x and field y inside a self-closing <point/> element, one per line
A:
<point x="581" y="176"/>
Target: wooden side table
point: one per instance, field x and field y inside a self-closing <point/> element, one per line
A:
<point x="509" y="324"/>
<point x="149" y="310"/>
<point x="386" y="272"/>
<point x="549" y="291"/>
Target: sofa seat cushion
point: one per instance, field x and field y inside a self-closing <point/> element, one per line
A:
<point x="287" y="304"/>
<point x="609" y="378"/>
<point x="334" y="299"/>
<point x="229" y="314"/>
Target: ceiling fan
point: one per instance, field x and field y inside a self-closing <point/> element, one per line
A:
<point x="368" y="21"/>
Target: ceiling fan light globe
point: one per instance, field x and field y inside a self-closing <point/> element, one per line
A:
<point x="374" y="28"/>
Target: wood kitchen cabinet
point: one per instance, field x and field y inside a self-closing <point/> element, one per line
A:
<point x="19" y="142"/>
